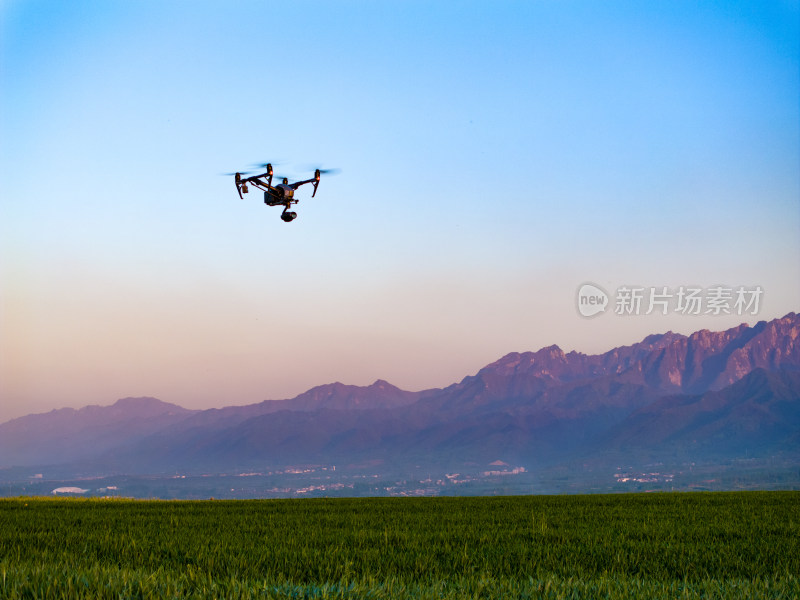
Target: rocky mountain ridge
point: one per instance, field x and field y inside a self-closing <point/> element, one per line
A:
<point x="709" y="393"/>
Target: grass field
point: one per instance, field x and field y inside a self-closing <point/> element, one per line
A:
<point x="713" y="545"/>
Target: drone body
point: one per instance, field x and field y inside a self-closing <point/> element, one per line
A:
<point x="281" y="194"/>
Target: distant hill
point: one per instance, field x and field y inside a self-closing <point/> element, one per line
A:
<point x="758" y="413"/>
<point x="68" y="435"/>
<point x="711" y="394"/>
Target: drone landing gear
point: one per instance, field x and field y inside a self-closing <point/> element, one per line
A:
<point x="288" y="216"/>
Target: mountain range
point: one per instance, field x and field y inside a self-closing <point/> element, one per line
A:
<point x="709" y="395"/>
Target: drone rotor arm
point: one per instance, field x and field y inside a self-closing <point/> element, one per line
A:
<point x="256" y="181"/>
<point x="237" y="180"/>
<point x="296" y="185"/>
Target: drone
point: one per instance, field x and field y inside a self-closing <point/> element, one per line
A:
<point x="281" y="194"/>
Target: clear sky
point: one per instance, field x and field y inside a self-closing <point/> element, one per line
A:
<point x="494" y="157"/>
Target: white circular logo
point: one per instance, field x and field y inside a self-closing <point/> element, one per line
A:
<point x="592" y="300"/>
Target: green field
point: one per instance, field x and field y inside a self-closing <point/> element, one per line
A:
<point x="704" y="545"/>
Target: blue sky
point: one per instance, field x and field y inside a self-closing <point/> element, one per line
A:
<point x="493" y="156"/>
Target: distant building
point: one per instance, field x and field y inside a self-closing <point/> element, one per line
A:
<point x="69" y="490"/>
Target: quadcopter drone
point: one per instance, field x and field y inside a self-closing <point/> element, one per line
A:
<point x="281" y="194"/>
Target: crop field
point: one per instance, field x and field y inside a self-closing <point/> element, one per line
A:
<point x="703" y="545"/>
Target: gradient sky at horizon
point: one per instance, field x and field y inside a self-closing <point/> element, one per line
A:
<point x="494" y="157"/>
